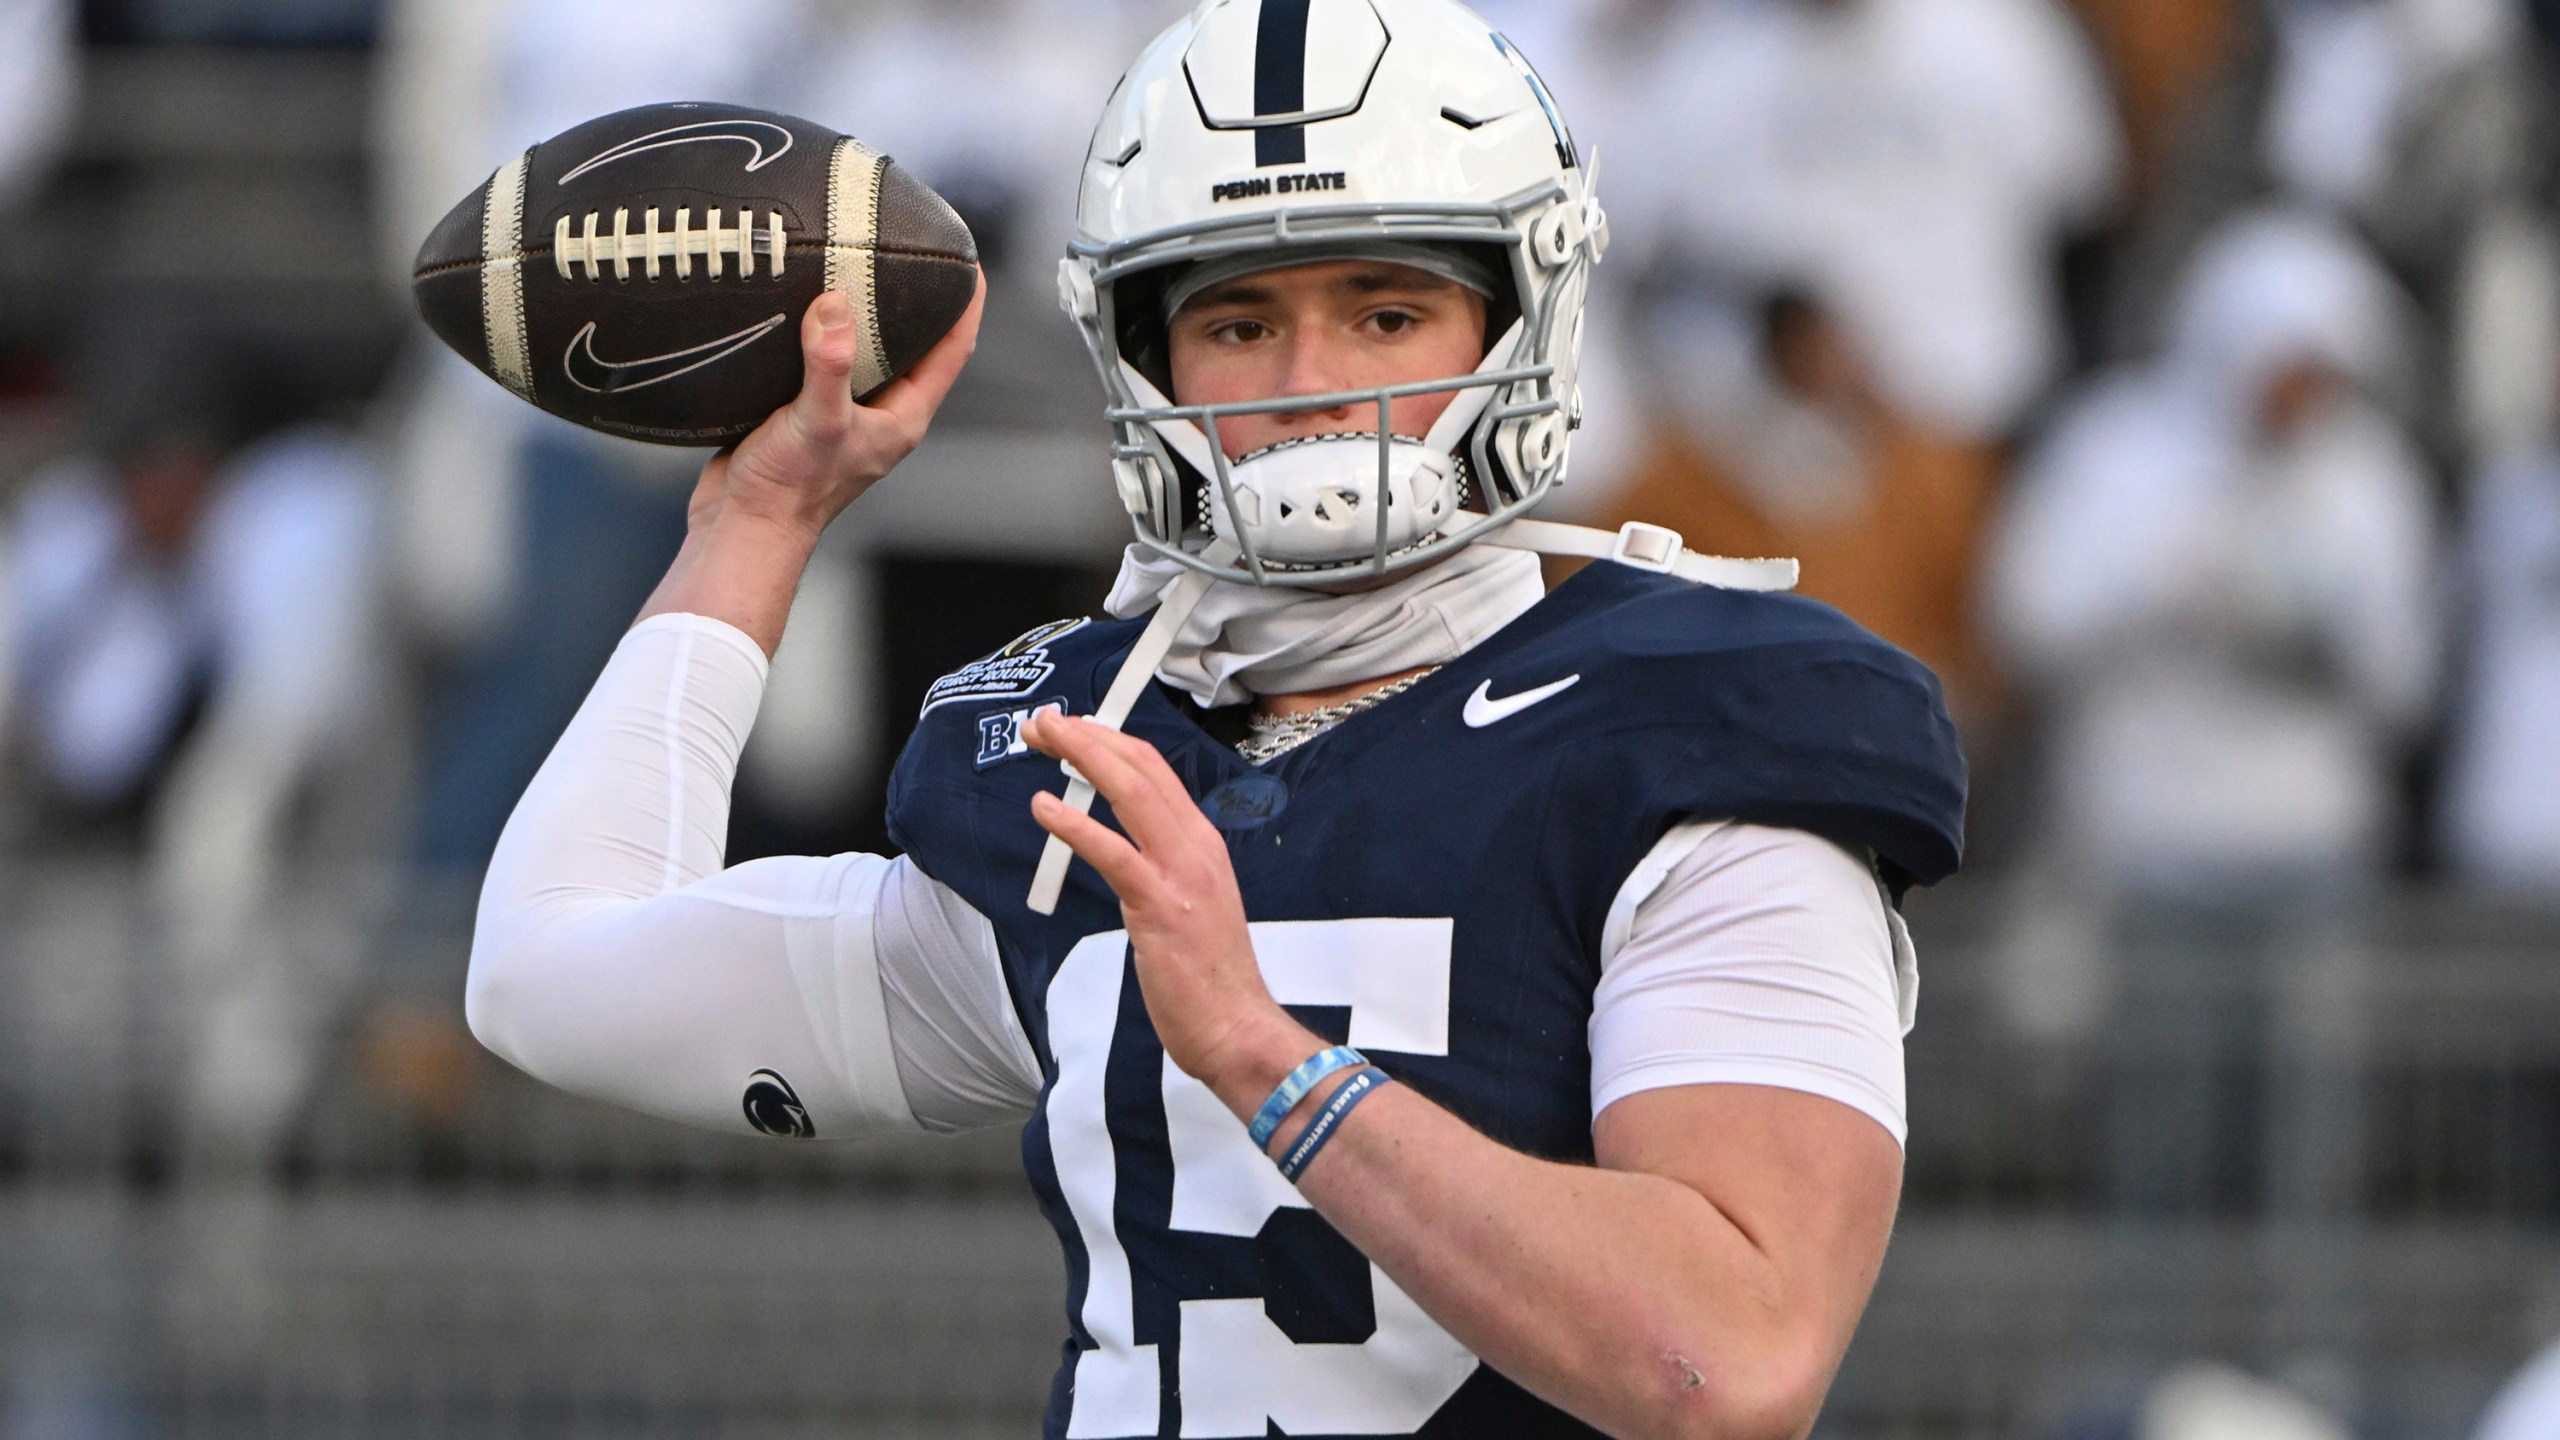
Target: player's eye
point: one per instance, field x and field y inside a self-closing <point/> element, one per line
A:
<point x="1394" y="322"/>
<point x="1239" y="332"/>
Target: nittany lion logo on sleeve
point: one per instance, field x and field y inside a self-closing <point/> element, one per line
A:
<point x="774" y="1108"/>
<point x="1011" y="673"/>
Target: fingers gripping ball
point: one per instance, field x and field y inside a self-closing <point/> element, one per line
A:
<point x="644" y="274"/>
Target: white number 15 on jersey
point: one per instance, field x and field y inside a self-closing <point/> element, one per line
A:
<point x="1240" y="1372"/>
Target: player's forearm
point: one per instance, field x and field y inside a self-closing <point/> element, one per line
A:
<point x="738" y="567"/>
<point x="1625" y="1298"/>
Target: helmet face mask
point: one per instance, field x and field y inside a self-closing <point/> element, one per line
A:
<point x="1373" y="161"/>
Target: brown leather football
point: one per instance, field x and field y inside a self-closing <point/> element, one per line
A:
<point x="644" y="274"/>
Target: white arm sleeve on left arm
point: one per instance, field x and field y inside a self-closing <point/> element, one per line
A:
<point x="1747" y="955"/>
<point x="615" y="958"/>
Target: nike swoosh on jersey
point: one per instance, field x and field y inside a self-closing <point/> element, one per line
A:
<point x="1483" y="709"/>
<point x="752" y="133"/>
<point x="597" y="375"/>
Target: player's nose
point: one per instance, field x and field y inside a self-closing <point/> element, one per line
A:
<point x="1315" y="368"/>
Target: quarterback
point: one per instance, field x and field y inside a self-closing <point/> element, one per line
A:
<point x="1432" y="1005"/>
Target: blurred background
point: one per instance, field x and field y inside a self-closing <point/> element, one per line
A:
<point x="2176" y="377"/>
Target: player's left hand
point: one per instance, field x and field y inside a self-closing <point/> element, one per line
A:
<point x="1178" y="896"/>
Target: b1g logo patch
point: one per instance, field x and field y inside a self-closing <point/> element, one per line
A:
<point x="1009" y="674"/>
<point x="1000" y="735"/>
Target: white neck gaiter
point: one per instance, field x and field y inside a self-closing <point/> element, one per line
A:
<point x="1246" y="640"/>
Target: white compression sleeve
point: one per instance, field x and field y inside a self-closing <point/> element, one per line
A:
<point x="616" y="959"/>
<point x="1742" y="954"/>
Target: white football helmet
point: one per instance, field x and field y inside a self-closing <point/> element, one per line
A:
<point x="1305" y="130"/>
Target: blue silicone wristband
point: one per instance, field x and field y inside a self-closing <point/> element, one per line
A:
<point x="1267" y="1120"/>
<point x="1327" y="1122"/>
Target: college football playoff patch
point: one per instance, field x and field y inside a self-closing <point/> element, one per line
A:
<point x="1009" y="674"/>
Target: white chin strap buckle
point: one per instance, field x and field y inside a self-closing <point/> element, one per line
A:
<point x="1647" y="547"/>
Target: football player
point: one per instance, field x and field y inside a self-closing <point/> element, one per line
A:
<point x="1481" y="1010"/>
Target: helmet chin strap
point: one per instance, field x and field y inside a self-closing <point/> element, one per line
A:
<point x="1183" y="437"/>
<point x="1136" y="673"/>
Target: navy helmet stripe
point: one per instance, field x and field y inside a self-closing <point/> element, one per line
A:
<point x="1280" y="80"/>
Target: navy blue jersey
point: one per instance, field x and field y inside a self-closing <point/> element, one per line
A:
<point x="1426" y="881"/>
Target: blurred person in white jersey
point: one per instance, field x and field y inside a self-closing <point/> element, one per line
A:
<point x="2219" y="569"/>
<point x="2220" y="563"/>
<point x="192" y="628"/>
<point x="1918" y="162"/>
<point x="1477" y="1011"/>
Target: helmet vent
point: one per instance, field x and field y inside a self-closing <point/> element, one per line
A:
<point x="1462" y="119"/>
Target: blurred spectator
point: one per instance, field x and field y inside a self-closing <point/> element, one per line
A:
<point x="1918" y="161"/>
<point x="192" y="628"/>
<point x="178" y="581"/>
<point x="2220" y="567"/>
<point x="2501" y="804"/>
<point x="2356" y="80"/>
<point x="39" y="71"/>
<point x="1816" y="462"/>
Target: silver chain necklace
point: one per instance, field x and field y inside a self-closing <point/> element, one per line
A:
<point x="1276" y="735"/>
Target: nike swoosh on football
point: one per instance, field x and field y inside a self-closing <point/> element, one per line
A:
<point x="1483" y="709"/>
<point x="593" y="373"/>
<point x="752" y="133"/>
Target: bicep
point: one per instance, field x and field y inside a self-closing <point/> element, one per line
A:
<point x="1747" y="1044"/>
